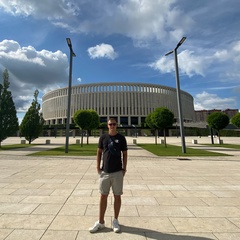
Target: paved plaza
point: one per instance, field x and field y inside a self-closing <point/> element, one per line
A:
<point x="165" y="198"/>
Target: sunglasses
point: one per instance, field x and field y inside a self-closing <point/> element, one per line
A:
<point x="112" y="124"/>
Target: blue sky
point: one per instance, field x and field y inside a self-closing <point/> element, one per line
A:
<point x="122" y="41"/>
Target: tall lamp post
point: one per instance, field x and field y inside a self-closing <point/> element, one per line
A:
<point x="135" y="130"/>
<point x="72" y="54"/>
<point x="179" y="94"/>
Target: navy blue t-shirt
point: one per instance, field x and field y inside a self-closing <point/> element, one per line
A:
<point x="112" y="147"/>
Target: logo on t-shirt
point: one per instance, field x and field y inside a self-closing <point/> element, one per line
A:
<point x="113" y="147"/>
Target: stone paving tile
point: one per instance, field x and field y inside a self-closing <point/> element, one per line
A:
<point x="166" y="187"/>
<point x="4" y="191"/>
<point x="85" y="192"/>
<point x="180" y="201"/>
<point x="164" y="211"/>
<point x="108" y="234"/>
<point x="47" y="209"/>
<point x="227" y="194"/>
<point x="22" y="234"/>
<point x="57" y="186"/>
<point x="45" y="199"/>
<point x="135" y="187"/>
<point x="204" y="211"/>
<point x="33" y="192"/>
<point x="236" y="221"/>
<point x="87" y="186"/>
<point x="146" y="224"/>
<point x="11" y="198"/>
<point x="62" y="192"/>
<point x="76" y="223"/>
<point x="205" y="188"/>
<point x="60" y="235"/>
<point x="203" y="225"/>
<point x="4" y="233"/>
<point x="25" y="221"/>
<point x="227" y="236"/>
<point x="193" y="194"/>
<point x="17" y="208"/>
<point x="47" y="180"/>
<point x="74" y="210"/>
<point x="82" y="200"/>
<point x="152" y="193"/>
<point x="132" y="182"/>
<point x="222" y="201"/>
<point x="25" y="185"/>
<point x="139" y="201"/>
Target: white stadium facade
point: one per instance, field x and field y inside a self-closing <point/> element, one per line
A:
<point x="129" y="103"/>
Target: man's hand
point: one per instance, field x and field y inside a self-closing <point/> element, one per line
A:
<point x="99" y="170"/>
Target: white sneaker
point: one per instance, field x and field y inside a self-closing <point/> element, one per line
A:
<point x="115" y="226"/>
<point x="97" y="226"/>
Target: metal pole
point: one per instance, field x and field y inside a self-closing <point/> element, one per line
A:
<point x="179" y="103"/>
<point x="72" y="54"/>
<point x="69" y="103"/>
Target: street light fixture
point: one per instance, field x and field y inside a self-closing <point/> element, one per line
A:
<point x="72" y="54"/>
<point x="179" y="94"/>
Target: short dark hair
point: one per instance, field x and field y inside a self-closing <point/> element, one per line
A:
<point x="112" y="119"/>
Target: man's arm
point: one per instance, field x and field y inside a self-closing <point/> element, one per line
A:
<point x="124" y="161"/>
<point x="99" y="157"/>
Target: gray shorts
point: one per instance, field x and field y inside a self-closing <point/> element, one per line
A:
<point x="111" y="180"/>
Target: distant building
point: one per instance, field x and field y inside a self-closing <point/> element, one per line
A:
<point x="201" y="115"/>
<point x="231" y="112"/>
<point x="129" y="103"/>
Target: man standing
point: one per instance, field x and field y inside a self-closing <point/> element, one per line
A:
<point x="113" y="147"/>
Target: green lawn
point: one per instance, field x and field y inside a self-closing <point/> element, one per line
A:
<point x="14" y="146"/>
<point x="91" y="150"/>
<point x="234" y="146"/>
<point x="73" y="150"/>
<point x="172" y="150"/>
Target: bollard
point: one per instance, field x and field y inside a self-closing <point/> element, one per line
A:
<point x="48" y="141"/>
<point x="194" y="141"/>
<point x="134" y="141"/>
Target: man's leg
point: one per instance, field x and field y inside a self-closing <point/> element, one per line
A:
<point x="102" y="207"/>
<point x="117" y="205"/>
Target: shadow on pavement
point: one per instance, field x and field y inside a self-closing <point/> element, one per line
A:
<point x="154" y="235"/>
<point x="151" y="234"/>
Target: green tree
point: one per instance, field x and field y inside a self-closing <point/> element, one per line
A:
<point x="93" y="123"/>
<point x="86" y="120"/>
<point x="32" y="123"/>
<point x="236" y="120"/>
<point x="163" y="118"/>
<point x="151" y="125"/>
<point x="218" y="121"/>
<point x="8" y="113"/>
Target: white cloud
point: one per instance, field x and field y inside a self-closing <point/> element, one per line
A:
<point x="207" y="100"/>
<point x="102" y="51"/>
<point x="54" y="9"/>
<point x="199" y="62"/>
<point x="139" y="20"/>
<point x="30" y="69"/>
<point x="79" y="79"/>
<point x="188" y="63"/>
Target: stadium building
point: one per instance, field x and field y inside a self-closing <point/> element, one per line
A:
<point x="129" y="103"/>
